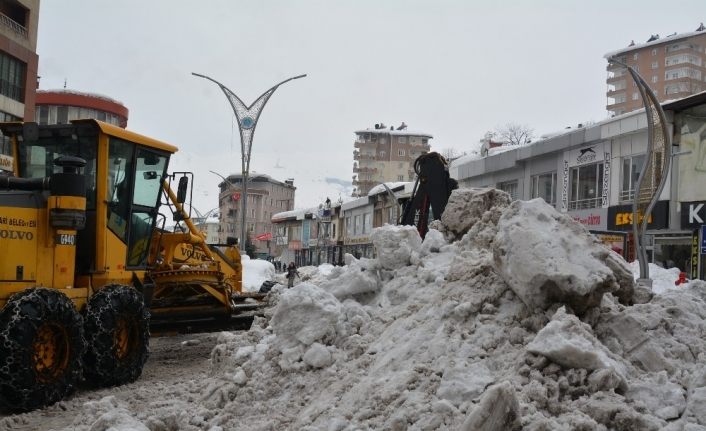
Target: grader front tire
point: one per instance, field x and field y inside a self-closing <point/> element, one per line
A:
<point x="117" y="336"/>
<point x="41" y="345"/>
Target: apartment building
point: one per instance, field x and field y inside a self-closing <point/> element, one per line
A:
<point x="266" y="197"/>
<point x="18" y="66"/>
<point x="386" y="154"/>
<point x="674" y="66"/>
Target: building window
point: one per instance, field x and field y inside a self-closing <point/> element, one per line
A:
<point x="401" y="139"/>
<point x="357" y="228"/>
<point x="634" y="56"/>
<point x="400" y="152"/>
<point x="585" y="183"/>
<point x="349" y="226"/>
<point x="635" y="95"/>
<point x="12" y="77"/>
<point x="655" y="78"/>
<point x="544" y="186"/>
<point x="510" y="187"/>
<point x="655" y="65"/>
<point x="366" y="223"/>
<point x="654" y="52"/>
<point x="631" y="171"/>
<point x="400" y="177"/>
<point x="382" y="154"/>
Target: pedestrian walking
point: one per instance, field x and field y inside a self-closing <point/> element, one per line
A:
<point x="291" y="273"/>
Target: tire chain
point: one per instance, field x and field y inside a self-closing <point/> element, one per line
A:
<point x="101" y="367"/>
<point x="24" y="313"/>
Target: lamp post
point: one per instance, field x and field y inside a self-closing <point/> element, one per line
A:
<point x="654" y="172"/>
<point x="247" y="117"/>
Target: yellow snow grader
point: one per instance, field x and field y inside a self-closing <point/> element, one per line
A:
<point x="82" y="264"/>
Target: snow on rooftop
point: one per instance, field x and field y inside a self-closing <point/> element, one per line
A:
<point x="380" y="188"/>
<point x="667" y="39"/>
<point x="404" y="132"/>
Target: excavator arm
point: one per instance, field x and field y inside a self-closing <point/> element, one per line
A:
<point x="431" y="190"/>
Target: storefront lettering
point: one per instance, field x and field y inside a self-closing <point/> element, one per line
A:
<point x="606" y="179"/>
<point x="622" y="219"/>
<point x="590" y="220"/>
<point x="694" y="214"/>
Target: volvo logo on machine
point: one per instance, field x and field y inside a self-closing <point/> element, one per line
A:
<point x="16" y="234"/>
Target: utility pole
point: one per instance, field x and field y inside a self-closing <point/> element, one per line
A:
<point x="247" y="117"/>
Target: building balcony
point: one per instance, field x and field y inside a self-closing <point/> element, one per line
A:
<point x="364" y="170"/>
<point x="13" y="25"/>
<point x="617" y="76"/>
<point x="363" y="144"/>
<point x="616" y="106"/>
<point x="363" y="156"/>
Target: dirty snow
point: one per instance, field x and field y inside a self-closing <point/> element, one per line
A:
<point x="507" y="316"/>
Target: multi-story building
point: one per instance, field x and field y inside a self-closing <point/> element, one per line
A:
<point x="62" y="106"/>
<point x="386" y="154"/>
<point x="673" y="66"/>
<point x="18" y="65"/>
<point x="590" y="173"/>
<point x="266" y="197"/>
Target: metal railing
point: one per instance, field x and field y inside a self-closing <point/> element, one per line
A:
<point x="13" y="25"/>
<point x="583" y="204"/>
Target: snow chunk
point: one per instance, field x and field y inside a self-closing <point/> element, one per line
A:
<point x="498" y="410"/>
<point x="433" y="242"/>
<point x="570" y="343"/>
<point x="318" y="356"/>
<point x="304" y="315"/>
<point x="467" y="206"/>
<point x="462" y="384"/>
<point x="546" y="257"/>
<point x="255" y="272"/>
<point x="666" y="399"/>
<point x="395" y="245"/>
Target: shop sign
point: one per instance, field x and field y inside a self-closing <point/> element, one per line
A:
<point x="264" y="236"/>
<point x="616" y="241"/>
<point x="703" y="239"/>
<point x="357" y="240"/>
<point x="6" y="162"/>
<point x="695" y="254"/>
<point x="620" y="217"/>
<point x="593" y="219"/>
<point x="693" y="214"/>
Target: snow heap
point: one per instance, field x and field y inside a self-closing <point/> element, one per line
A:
<point x="507" y="316"/>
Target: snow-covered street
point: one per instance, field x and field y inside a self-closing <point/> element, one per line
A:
<point x="508" y="316"/>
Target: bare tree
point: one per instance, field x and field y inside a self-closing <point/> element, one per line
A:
<point x="514" y="134"/>
<point x="451" y="153"/>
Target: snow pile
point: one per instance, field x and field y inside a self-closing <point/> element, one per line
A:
<point x="507" y="316"/>
<point x="662" y="279"/>
<point x="255" y="272"/>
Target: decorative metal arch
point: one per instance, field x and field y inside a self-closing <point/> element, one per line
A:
<point x="654" y="172"/>
<point x="247" y="117"/>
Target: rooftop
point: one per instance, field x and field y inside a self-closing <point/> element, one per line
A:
<point x="656" y="40"/>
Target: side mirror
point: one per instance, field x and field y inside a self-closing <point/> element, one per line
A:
<point x="181" y="191"/>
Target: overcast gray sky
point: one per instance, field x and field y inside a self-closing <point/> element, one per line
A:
<point x="455" y="69"/>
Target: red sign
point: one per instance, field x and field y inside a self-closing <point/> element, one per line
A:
<point x="236" y="196"/>
<point x="264" y="237"/>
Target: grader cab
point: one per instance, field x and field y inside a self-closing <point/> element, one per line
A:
<point x="81" y="260"/>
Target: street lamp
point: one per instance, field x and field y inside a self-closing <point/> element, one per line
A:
<point x="247" y="117"/>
